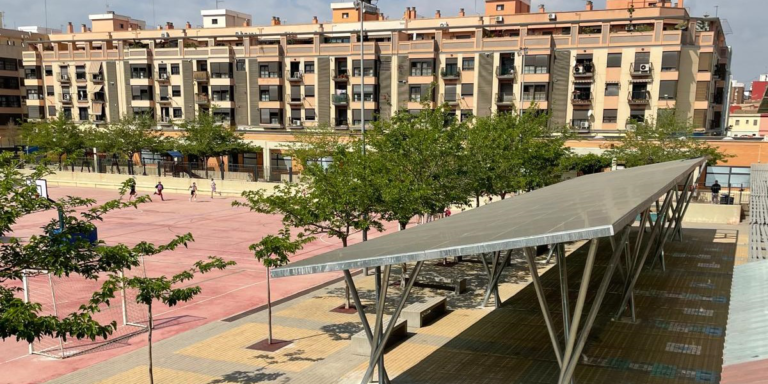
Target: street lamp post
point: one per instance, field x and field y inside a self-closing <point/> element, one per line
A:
<point x="523" y="52"/>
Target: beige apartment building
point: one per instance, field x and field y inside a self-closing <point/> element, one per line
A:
<point x="594" y="69"/>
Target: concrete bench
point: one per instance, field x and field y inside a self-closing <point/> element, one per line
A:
<point x="419" y="314"/>
<point x="361" y="346"/>
<point x="458" y="286"/>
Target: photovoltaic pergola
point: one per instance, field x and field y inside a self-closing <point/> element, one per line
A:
<point x="585" y="208"/>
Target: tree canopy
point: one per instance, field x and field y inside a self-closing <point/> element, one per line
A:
<point x="128" y="136"/>
<point x="57" y="137"/>
<point x="667" y="138"/>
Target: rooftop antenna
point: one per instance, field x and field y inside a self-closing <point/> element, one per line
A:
<point x="217" y="3"/>
<point x="717" y="9"/>
<point x="154" y="18"/>
<point x="46" y="16"/>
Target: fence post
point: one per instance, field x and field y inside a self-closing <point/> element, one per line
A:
<point x="25" y="285"/>
<point x="159" y="165"/>
<point x="255" y="173"/>
<point x="290" y="174"/>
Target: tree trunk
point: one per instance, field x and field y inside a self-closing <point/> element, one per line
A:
<point x="221" y="166"/>
<point x="347" y="303"/>
<point x="149" y="345"/>
<point x="60" y="161"/>
<point x="205" y="166"/>
<point x="477" y="200"/>
<point x="503" y="195"/>
<point x="269" y="310"/>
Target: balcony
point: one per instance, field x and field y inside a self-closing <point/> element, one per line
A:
<point x="163" y="99"/>
<point x="81" y="78"/>
<point x="97" y="98"/>
<point x="342" y="99"/>
<point x="163" y="77"/>
<point x="200" y="76"/>
<point x="584" y="70"/>
<point x="295" y="100"/>
<point x="340" y="123"/>
<point x="202" y="98"/>
<point x="641" y="70"/>
<point x="581" y="126"/>
<point x="452" y="74"/>
<point x="505" y="99"/>
<point x="65" y="98"/>
<point x="295" y="123"/>
<point x="341" y="77"/>
<point x="581" y="98"/>
<point x="64" y="78"/>
<point x="505" y="72"/>
<point x="97" y="78"/>
<point x="294" y="76"/>
<point x="639" y="97"/>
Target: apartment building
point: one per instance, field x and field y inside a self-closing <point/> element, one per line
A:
<point x="597" y="70"/>
<point x="12" y="90"/>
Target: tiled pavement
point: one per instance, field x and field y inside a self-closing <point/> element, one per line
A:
<point x="679" y="337"/>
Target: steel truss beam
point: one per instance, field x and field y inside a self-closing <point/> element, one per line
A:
<point x="378" y="351"/>
<point x="494" y="274"/>
<point x="673" y="220"/>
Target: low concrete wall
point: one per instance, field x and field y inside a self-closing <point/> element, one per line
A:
<point x="146" y="184"/>
<point x="713" y="214"/>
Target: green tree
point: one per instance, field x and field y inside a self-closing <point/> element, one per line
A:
<point x="159" y="289"/>
<point x="417" y="163"/>
<point x="274" y="251"/>
<point x="207" y="137"/>
<point x="586" y="164"/>
<point x="59" y="138"/>
<point x="130" y="136"/>
<point x="667" y="138"/>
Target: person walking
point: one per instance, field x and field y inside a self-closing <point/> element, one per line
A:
<point x="132" y="186"/>
<point x="213" y="188"/>
<point x="715" y="188"/>
<point x="193" y="192"/>
<point x="159" y="190"/>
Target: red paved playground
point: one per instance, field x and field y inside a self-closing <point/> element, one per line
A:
<point x="218" y="229"/>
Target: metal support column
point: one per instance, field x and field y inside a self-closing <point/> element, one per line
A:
<point x="496" y="271"/>
<point x="676" y="212"/>
<point x="379" y="350"/>
<point x="563" y="270"/>
<point x="529" y="254"/>
<point x="361" y="313"/>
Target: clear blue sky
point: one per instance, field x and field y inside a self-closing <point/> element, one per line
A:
<point x="746" y="17"/>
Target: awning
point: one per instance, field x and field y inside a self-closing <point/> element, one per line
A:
<point x="175" y="154"/>
<point x="98" y="109"/>
<point x="640" y="81"/>
<point x="612" y="82"/>
<point x="582" y="81"/>
<point x="94" y="68"/>
<point x="97" y="88"/>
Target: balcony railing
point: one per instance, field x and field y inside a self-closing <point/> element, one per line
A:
<point x="505" y="99"/>
<point x="340" y="123"/>
<point x="98" y="78"/>
<point x="641" y="69"/>
<point x="341" y="77"/>
<point x="163" y="77"/>
<point x="81" y="77"/>
<point x="505" y="72"/>
<point x="202" y="98"/>
<point x="583" y="70"/>
<point x="294" y="75"/>
<point x="164" y="99"/>
<point x="639" y="97"/>
<point x="581" y="98"/>
<point x="200" y="76"/>
<point x="64" y="78"/>
<point x="295" y="123"/>
<point x="581" y="126"/>
<point x="97" y="98"/>
<point x="452" y="74"/>
<point x="342" y="99"/>
<point x="164" y="120"/>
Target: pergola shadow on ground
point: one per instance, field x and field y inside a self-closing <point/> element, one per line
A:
<point x="677" y="337"/>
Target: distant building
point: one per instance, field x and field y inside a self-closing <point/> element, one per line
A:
<point x="39" y="30"/>
<point x="737" y="93"/>
<point x="13" y="92"/>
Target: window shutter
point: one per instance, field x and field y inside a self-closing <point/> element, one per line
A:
<point x="700" y="118"/>
<point x="452" y="61"/>
<point x="468" y="89"/>
<point x="580" y="114"/>
<point x="670" y="60"/>
<point x="265" y="116"/>
<point x="425" y="94"/>
<point x="668" y="90"/>
<point x="610" y="113"/>
<point x="309" y="91"/>
<point x="614" y="60"/>
<point x="642" y="58"/>
<point x="163" y="91"/>
<point x="295" y="90"/>
<point x="705" y="62"/>
<point x="702" y="91"/>
<point x="542" y="60"/>
<point x="295" y="113"/>
<point x="450" y="92"/>
<point x="310" y="114"/>
<point x="273" y="93"/>
<point x="355" y="114"/>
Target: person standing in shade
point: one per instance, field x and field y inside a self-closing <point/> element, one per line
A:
<point x="159" y="190"/>
<point x="715" y="188"/>
<point x="132" y="192"/>
<point x="193" y="192"/>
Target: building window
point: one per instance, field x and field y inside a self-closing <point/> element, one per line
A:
<point x="466" y="114"/>
<point x="668" y="90"/>
<point x="754" y="122"/>
<point x="309" y="115"/>
<point x="421" y="68"/>
<point x="535" y="92"/>
<point x="51" y="111"/>
<point x="705" y="62"/>
<point x="221" y="70"/>
<point x="610" y="116"/>
<point x="9" y="83"/>
<point x="737" y="122"/>
<point x="176" y="91"/>
<point x="220" y="92"/>
<point x="240" y="65"/>
<point x="9" y="65"/>
<point x="270" y="70"/>
<point x="415" y="93"/>
<point x="468" y="89"/>
<point x="141" y="92"/>
<point x="368" y="93"/>
<point x="500" y="7"/>
<point x="345" y="15"/>
<point x="214" y="21"/>
<point x="536" y="64"/>
<point x="737" y="177"/>
<point x="177" y="113"/>
<point x="67" y="113"/>
<point x="82" y="114"/>
<point x="49" y="90"/>
<point x="175" y="69"/>
<point x="637" y="115"/>
<point x="468" y="64"/>
<point x="309" y="67"/>
<point x="48" y="70"/>
<point x="82" y="94"/>
<point x="612" y="89"/>
<point x="141" y="72"/>
<point x="309" y="91"/>
<point x="670" y="61"/>
<point x="614" y="60"/>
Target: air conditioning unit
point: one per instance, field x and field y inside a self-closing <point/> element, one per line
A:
<point x="445" y="25"/>
<point x="580" y="69"/>
<point x="64" y="76"/>
<point x="499" y="19"/>
<point x="553" y="16"/>
<point x="645" y="68"/>
<point x="584" y="125"/>
<point x="164" y="76"/>
<point x="629" y="28"/>
<point x="296" y="75"/>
